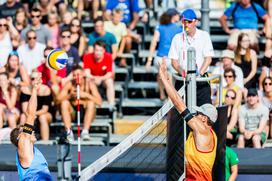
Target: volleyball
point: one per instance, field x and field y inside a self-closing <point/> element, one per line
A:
<point x="57" y="59"/>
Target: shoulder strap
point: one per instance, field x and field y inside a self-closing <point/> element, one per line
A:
<point x="255" y="10"/>
<point x="253" y="6"/>
<point x="234" y="9"/>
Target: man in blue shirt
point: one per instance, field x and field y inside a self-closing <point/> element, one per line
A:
<point x="30" y="162"/>
<point x="245" y="17"/>
<point x="107" y="37"/>
<point x="130" y="9"/>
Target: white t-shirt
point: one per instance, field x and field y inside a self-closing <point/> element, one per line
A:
<point x="6" y="48"/>
<point x="239" y="80"/>
<point x="253" y="117"/>
<point x="31" y="58"/>
<point x="181" y="42"/>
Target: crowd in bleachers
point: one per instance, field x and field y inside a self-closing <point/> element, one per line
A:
<point x="29" y="30"/>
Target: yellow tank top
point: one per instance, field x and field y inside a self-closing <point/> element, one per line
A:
<point x="199" y="164"/>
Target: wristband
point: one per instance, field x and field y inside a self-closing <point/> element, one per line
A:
<point x="186" y="115"/>
<point x="27" y="128"/>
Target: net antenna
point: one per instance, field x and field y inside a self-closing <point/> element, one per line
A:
<point x="122" y="147"/>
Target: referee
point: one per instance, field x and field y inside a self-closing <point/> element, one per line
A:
<point x="201" y="41"/>
<point x="31" y="164"/>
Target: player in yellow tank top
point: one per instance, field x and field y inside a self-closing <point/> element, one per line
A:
<point x="200" y="147"/>
<point x="199" y="163"/>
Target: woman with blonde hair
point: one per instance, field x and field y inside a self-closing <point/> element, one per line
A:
<point x="20" y="19"/>
<point x="246" y="59"/>
<point x="54" y="28"/>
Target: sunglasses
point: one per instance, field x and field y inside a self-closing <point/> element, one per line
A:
<point x="228" y="76"/>
<point x="32" y="38"/>
<point x="63" y="36"/>
<point x="73" y="25"/>
<point x="187" y="21"/>
<point x="3" y="25"/>
<point x="232" y="97"/>
<point x="266" y="83"/>
<point x="251" y="95"/>
<point x="33" y="16"/>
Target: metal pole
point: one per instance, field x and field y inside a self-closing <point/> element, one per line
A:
<point x="191" y="78"/>
<point x="205" y="19"/>
<point x="78" y="128"/>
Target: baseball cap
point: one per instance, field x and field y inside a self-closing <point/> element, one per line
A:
<point x="208" y="110"/>
<point x="228" y="54"/>
<point x="252" y="92"/>
<point x="189" y="15"/>
<point x="172" y="12"/>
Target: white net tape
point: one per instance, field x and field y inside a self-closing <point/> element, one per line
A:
<point x="122" y="147"/>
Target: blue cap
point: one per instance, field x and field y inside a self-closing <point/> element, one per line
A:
<point x="189" y="15"/>
<point x="172" y="12"/>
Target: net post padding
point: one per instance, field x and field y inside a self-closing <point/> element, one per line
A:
<point x="115" y="152"/>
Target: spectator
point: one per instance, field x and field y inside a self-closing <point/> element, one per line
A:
<point x="232" y="128"/>
<point x="96" y="8"/>
<point x="43" y="34"/>
<point x="231" y="163"/>
<point x="227" y="59"/>
<point x="101" y="34"/>
<point x="266" y="70"/>
<point x="119" y="30"/>
<point x="31" y="53"/>
<point x="253" y="118"/>
<point x="130" y="18"/>
<point x="230" y="76"/>
<point x="7" y="31"/>
<point x="8" y="9"/>
<point x="54" y="28"/>
<point x="246" y="59"/>
<point x="16" y="72"/>
<point x="268" y="43"/>
<point x="62" y="6"/>
<point x="8" y="99"/>
<point x="245" y="18"/>
<point x="66" y="19"/>
<point x="44" y="102"/>
<point x="130" y="8"/>
<point x="89" y="98"/>
<point x="266" y="99"/>
<point x="46" y="7"/>
<point x="99" y="63"/>
<point x="20" y="20"/>
<point x="78" y="38"/>
<point x="163" y="35"/>
<point x="65" y="44"/>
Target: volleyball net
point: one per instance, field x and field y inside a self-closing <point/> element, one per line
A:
<point x="145" y="150"/>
